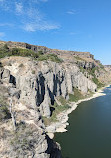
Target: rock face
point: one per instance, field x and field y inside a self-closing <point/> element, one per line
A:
<point x="76" y="79"/>
<point x="29" y="139"/>
<point x="49" y="81"/>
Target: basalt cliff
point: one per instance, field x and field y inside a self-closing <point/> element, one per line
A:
<point x="36" y="85"/>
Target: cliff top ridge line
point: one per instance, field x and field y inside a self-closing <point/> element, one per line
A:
<point x="44" y="49"/>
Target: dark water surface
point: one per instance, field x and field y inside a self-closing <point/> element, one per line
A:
<point x="89" y="133"/>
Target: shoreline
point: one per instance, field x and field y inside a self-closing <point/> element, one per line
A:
<point x="63" y="117"/>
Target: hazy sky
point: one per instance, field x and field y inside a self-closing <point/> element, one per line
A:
<point x="81" y="25"/>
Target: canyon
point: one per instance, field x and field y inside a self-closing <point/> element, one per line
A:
<point x="35" y="90"/>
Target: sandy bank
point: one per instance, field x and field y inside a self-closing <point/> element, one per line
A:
<point x="63" y="117"/>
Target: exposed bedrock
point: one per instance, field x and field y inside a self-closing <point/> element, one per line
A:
<point x="49" y="81"/>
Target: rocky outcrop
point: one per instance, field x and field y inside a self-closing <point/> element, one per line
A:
<point x="76" y="79"/>
<point x="85" y="64"/>
<point x="49" y="81"/>
<point x="29" y="139"/>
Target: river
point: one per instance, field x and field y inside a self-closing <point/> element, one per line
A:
<point x="89" y="132"/>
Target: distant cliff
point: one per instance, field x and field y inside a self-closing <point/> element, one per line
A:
<point x="35" y="89"/>
<point x="107" y="67"/>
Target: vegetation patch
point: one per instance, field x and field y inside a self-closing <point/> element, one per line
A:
<point x="62" y="100"/>
<point x="93" y="70"/>
<point x="40" y="56"/>
<point x="76" y="96"/>
<point x="97" y="82"/>
<point x="79" y="58"/>
<point x="82" y="69"/>
<point x="51" y="57"/>
<point x="4" y="112"/>
<point x="92" y="73"/>
<point x="94" y="78"/>
<point x="57" y="110"/>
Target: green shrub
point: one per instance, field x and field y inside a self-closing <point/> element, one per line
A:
<point x="5" y="51"/>
<point x="96" y="81"/>
<point x="22" y="52"/>
<point x="43" y="57"/>
<point x="51" y="57"/>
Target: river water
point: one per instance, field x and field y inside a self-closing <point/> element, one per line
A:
<point x="89" y="132"/>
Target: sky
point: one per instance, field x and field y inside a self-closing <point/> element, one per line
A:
<point x="79" y="25"/>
